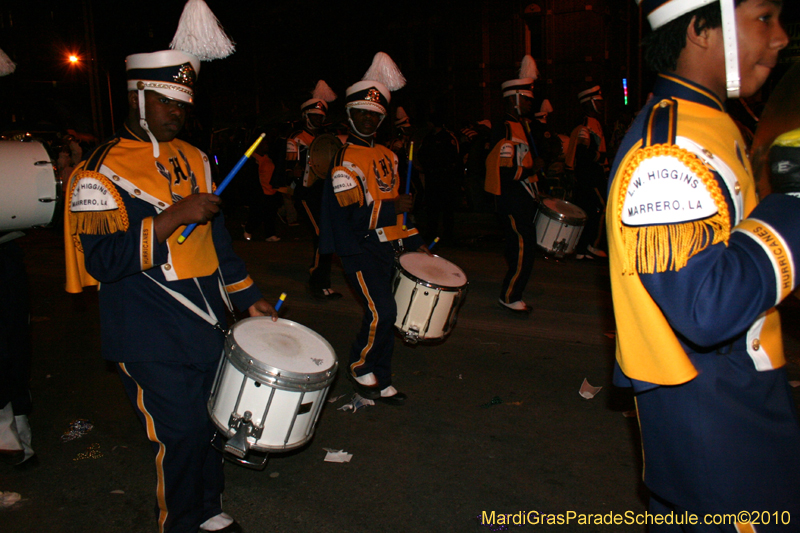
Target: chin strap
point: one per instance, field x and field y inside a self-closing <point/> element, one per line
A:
<point x="353" y="126"/>
<point x="145" y="127"/>
<point x="734" y="82"/>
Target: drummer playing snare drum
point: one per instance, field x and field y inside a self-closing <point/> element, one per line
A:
<point x="161" y="309"/>
<point x="363" y="224"/>
<point x="511" y="169"/>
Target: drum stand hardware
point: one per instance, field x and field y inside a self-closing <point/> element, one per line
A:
<point x="559" y="248"/>
<point x="413" y="333"/>
<point x="243" y="427"/>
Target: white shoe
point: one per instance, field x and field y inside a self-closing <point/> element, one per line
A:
<point x="274" y="238"/>
<point x="596" y="251"/>
<point x="518" y="307"/>
<point x="217" y="523"/>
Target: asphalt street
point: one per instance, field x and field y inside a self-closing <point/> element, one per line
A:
<point x="494" y="422"/>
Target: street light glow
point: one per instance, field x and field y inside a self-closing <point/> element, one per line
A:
<point x="74" y="59"/>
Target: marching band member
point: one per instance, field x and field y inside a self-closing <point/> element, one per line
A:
<point x="309" y="189"/>
<point x="587" y="163"/>
<point x="697" y="266"/>
<point x="162" y="311"/>
<point x="362" y="216"/>
<point x="510" y="175"/>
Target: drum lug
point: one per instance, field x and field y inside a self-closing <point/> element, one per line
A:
<point x="243" y="427"/>
<point x="411" y="336"/>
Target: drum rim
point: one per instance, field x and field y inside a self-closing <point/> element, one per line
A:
<point x="274" y="376"/>
<point x="561" y="217"/>
<point x="430" y="284"/>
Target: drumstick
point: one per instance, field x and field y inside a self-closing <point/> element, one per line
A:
<point x="280" y="301"/>
<point x="190" y="228"/>
<point x="433" y="244"/>
<point x="408" y="178"/>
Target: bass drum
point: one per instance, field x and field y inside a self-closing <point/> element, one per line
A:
<point x="30" y="188"/>
<point x="320" y="156"/>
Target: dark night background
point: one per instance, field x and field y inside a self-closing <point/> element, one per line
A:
<point x="454" y="55"/>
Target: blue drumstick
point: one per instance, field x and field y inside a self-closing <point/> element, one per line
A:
<point x="190" y="228"/>
<point x="430" y="247"/>
<point x="408" y="178"/>
<point x="280" y="301"/>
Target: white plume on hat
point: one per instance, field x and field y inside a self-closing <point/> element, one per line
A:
<point x="6" y="65"/>
<point x="200" y="33"/>
<point x="527" y="68"/>
<point x="323" y="92"/>
<point x="384" y="70"/>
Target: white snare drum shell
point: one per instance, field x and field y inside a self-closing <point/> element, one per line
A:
<point x="428" y="291"/>
<point x="30" y="187"/>
<point x="280" y="373"/>
<point x="559" y="225"/>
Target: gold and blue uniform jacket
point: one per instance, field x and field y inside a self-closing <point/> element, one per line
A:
<point x="697" y="266"/>
<point x="112" y="199"/>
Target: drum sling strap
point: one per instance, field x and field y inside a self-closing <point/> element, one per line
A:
<point x="207" y="315"/>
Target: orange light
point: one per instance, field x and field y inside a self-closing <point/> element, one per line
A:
<point x="74" y="59"/>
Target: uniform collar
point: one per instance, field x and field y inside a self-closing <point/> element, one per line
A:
<point x="673" y="85"/>
<point x="358" y="141"/>
<point x="127" y="133"/>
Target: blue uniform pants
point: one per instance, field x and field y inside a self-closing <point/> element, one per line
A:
<point x="374" y="344"/>
<point x="170" y="400"/>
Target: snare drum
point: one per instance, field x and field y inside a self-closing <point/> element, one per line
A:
<point x="559" y="225"/>
<point x="271" y="385"/>
<point x="428" y="291"/>
<point x="29" y="184"/>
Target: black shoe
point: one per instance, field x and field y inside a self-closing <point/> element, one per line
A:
<point x="396" y="399"/>
<point x="371" y="393"/>
<point x="233" y="527"/>
<point x="12" y="457"/>
<point x="27" y="464"/>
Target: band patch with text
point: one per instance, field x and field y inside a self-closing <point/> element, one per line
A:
<point x="665" y="190"/>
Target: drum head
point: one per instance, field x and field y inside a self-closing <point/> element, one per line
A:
<point x="284" y="345"/>
<point x="433" y="269"/>
<point x="569" y="213"/>
<point x="30" y="187"/>
<point x="321" y="153"/>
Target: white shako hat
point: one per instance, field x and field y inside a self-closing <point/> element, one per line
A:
<point x="523" y="85"/>
<point x="169" y="72"/>
<point x="661" y="12"/>
<point x="590" y="94"/>
<point x="321" y="96"/>
<point x="401" y="118"/>
<point x="173" y="73"/>
<point x="374" y="91"/>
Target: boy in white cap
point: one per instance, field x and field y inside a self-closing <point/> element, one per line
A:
<point x="309" y="186"/>
<point x="362" y="215"/>
<point x="697" y="266"/>
<point x="511" y="169"/>
<point x="162" y="311"/>
<point x="587" y="164"/>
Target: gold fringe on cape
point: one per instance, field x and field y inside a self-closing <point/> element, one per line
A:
<point x="350" y="196"/>
<point x="650" y="249"/>
<point x="97" y="222"/>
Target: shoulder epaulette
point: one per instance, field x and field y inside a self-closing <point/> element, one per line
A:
<point x="661" y="124"/>
<point x="339" y="157"/>
<point x="96" y="158"/>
